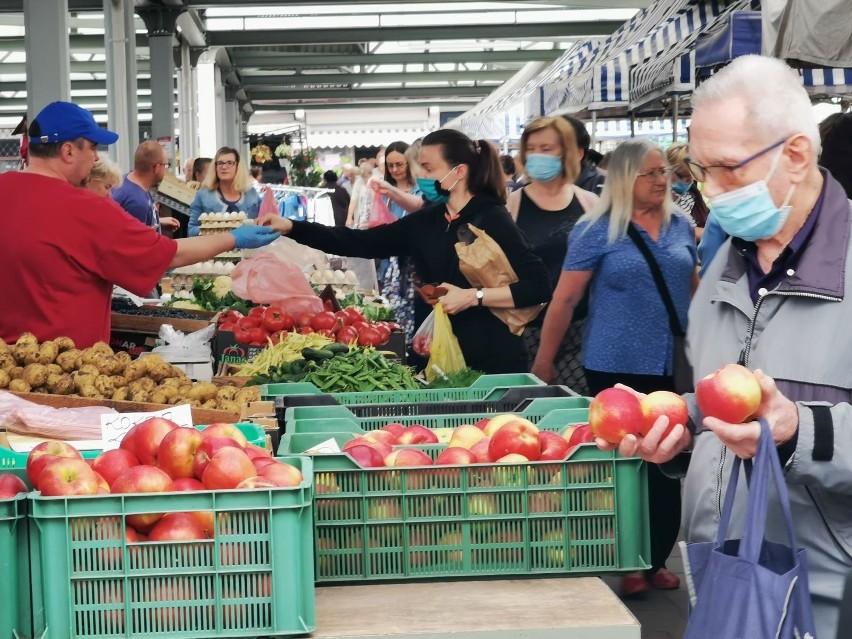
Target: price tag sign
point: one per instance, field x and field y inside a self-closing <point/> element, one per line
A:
<point x="328" y="447"/>
<point x="115" y="426"/>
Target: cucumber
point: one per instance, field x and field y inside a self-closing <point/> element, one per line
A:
<point x="316" y="354"/>
<point x="336" y="348"/>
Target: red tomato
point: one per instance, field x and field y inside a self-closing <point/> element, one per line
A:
<point x="369" y="336"/>
<point x="347" y="335"/>
<point x="343" y="318"/>
<point x="354" y="314"/>
<point x="257" y="311"/>
<point x="274" y="320"/>
<point x="276" y="338"/>
<point x="229" y="316"/>
<point x="242" y="334"/>
<point x="326" y="333"/>
<point x="328" y="305"/>
<point x="324" y="321"/>
<point x="384" y="331"/>
<point x="303" y="319"/>
<point x="227" y="326"/>
<point x="360" y="325"/>
<point x="249" y="322"/>
<point x="257" y="336"/>
<point x="306" y="330"/>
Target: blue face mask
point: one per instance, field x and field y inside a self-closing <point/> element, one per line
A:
<point x="681" y="188"/>
<point x="749" y="212"/>
<point x="432" y="189"/>
<point x="542" y="167"/>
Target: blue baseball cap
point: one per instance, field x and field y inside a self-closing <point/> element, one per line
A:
<point x="65" y="121"/>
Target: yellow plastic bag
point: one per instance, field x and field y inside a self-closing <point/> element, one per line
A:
<point x="446" y="354"/>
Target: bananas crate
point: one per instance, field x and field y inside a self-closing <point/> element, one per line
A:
<point x="549" y="413"/>
<point x="585" y="515"/>
<point x="485" y="387"/>
<point x="15" y="620"/>
<point x="253" y="578"/>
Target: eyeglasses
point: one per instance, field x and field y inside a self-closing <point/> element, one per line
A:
<point x="656" y="173"/>
<point x="397" y="165"/>
<point x="168" y="165"/>
<point x="225" y="163"/>
<point x="722" y="172"/>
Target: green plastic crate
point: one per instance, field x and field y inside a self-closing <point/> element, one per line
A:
<point x="549" y="413"/>
<point x="9" y="459"/>
<point x="586" y="515"/>
<point x="485" y="387"/>
<point x="254" y="578"/>
<point x="15" y="620"/>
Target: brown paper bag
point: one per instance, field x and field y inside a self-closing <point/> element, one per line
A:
<point x="485" y="264"/>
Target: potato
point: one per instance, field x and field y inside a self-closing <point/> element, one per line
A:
<point x="40" y="389"/>
<point x="24" y="353"/>
<point x="54" y="369"/>
<point x="89" y="356"/>
<point x="27" y="339"/>
<point x="168" y="391"/>
<point x="123" y="357"/>
<point x="4" y="347"/>
<point x="47" y="353"/>
<point x="139" y="396"/>
<point x="64" y="386"/>
<point x="102" y="347"/>
<point x="4" y="378"/>
<point x="151" y="361"/>
<point x="203" y="391"/>
<point x="177" y="400"/>
<point x="228" y="405"/>
<point x="134" y="370"/>
<point x="119" y="381"/>
<point x="64" y="344"/>
<point x="89" y="390"/>
<point x="16" y="372"/>
<point x="68" y="360"/>
<point x="145" y="385"/>
<point x="227" y="393"/>
<point x="162" y="371"/>
<point x="104" y="385"/>
<point x="120" y="394"/>
<point x="210" y="404"/>
<point x="89" y="369"/>
<point x="82" y="379"/>
<point x="109" y="365"/>
<point x="172" y="382"/>
<point x="158" y="397"/>
<point x="196" y="403"/>
<point x="7" y="361"/>
<point x="19" y="386"/>
<point x="248" y="394"/>
<point x="35" y="375"/>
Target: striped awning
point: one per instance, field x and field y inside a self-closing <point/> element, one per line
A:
<point x="827" y="81"/>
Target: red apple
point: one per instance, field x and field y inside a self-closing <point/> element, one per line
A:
<point x="482" y="423"/>
<point x="103" y="486"/>
<point x="176" y="455"/>
<point x="112" y="463"/>
<point x="614" y="413"/>
<point x="282" y="475"/>
<point x="665" y="403"/>
<point x="466" y="436"/>
<point x="260" y="462"/>
<point x="143" y="440"/>
<point x="553" y="446"/>
<point x="456" y="456"/>
<point x="177" y="527"/>
<point x="513" y="458"/>
<point x="366" y="456"/>
<point x="518" y="436"/>
<point x="381" y="436"/>
<point x="186" y="484"/>
<point x="143" y="479"/>
<point x="480" y="451"/>
<point x="256" y="452"/>
<point x="227" y="468"/>
<point x="11" y="486"/>
<point x="225" y="430"/>
<point x="207" y="449"/>
<point x="46" y="452"/>
<point x="205" y="520"/>
<point x="396" y="429"/>
<point x="66" y="476"/>
<point x="417" y="434"/>
<point x="731" y="394"/>
<point x="496" y="423"/>
<point x="408" y="457"/>
<point x="255" y="483"/>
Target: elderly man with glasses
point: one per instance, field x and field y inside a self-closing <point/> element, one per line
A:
<point x="774" y="300"/>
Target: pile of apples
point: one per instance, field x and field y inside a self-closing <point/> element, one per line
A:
<point x="507" y="438"/>
<point x="731" y="394"/>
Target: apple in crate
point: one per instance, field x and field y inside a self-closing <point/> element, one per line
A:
<point x="112" y="463"/>
<point x="227" y="468"/>
<point x="186" y="484"/>
<point x="466" y="436"/>
<point x="417" y="434"/>
<point x="553" y="446"/>
<point x="456" y="456"/>
<point x="67" y="476"/>
<point x="143" y="479"/>
<point x="382" y="436"/>
<point x="176" y="455"/>
<point x="480" y="451"/>
<point x="225" y="430"/>
<point x="731" y="394"/>
<point x="578" y="434"/>
<point x="177" y="527"/>
<point x="496" y="423"/>
<point x="659" y="403"/>
<point x="408" y="457"/>
<point x="614" y="413"/>
<point x="206" y="451"/>
<point x="46" y="452"/>
<point x="256" y="452"/>
<point x="143" y="440"/>
<point x="281" y="474"/>
<point x="365" y="456"/>
<point x="395" y="428"/>
<point x="518" y="436"/>
<point x="253" y="483"/>
<point x="103" y="486"/>
<point x="513" y="458"/>
<point x="11" y="486"/>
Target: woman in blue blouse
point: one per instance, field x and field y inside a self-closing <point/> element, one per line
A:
<point x="226" y="189"/>
<point x="627" y="337"/>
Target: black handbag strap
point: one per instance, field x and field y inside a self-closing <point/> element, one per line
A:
<point x="657" y="274"/>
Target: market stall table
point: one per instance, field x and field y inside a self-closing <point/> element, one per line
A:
<point x="582" y="608"/>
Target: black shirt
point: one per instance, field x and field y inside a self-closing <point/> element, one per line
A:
<point x="430" y="240"/>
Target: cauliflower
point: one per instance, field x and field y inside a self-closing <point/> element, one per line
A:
<point x="187" y="305"/>
<point x="222" y="286"/>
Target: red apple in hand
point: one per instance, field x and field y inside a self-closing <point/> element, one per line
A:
<point x="11" y="486"/>
<point x="176" y="454"/>
<point x="518" y="436"/>
<point x="112" y="463"/>
<point x="65" y="476"/>
<point x="731" y="394"/>
<point x="46" y="452"/>
<point x="614" y="413"/>
<point x="665" y="403"/>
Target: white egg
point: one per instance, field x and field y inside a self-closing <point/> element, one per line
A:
<point x="327" y="276"/>
<point x="351" y="278"/>
<point x="338" y="277"/>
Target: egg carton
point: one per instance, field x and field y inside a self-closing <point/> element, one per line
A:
<point x="208" y="267"/>
<point x="222" y="217"/>
<point x="324" y="277"/>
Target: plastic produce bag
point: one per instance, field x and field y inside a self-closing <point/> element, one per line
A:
<point x="265" y="279"/>
<point x="268" y="205"/>
<point x="422" y="343"/>
<point x="380" y="213"/>
<point x="26" y="418"/>
<point x="185" y="346"/>
<point x="446" y="354"/>
<point x="288" y="250"/>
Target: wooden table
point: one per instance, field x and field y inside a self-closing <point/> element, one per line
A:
<point x="579" y="608"/>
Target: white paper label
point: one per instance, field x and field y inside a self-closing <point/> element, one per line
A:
<point x="115" y="426"/>
<point x="328" y="447"/>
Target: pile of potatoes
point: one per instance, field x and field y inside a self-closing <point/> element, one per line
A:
<point x="59" y="368"/>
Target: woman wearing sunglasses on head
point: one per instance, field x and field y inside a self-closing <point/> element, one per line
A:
<point x="227" y="188"/>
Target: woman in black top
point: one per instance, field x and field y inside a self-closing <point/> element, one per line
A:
<point x="546" y="210"/>
<point x="463" y="181"/>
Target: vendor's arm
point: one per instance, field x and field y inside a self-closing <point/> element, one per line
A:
<point x="197" y="249"/>
<point x="406" y="200"/>
<point x="382" y="241"/>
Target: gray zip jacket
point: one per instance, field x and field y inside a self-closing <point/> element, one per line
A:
<point x="801" y="335"/>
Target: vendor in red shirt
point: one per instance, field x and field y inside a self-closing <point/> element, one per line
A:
<point x="63" y="248"/>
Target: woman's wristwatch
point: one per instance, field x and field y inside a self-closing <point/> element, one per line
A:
<point x="480" y="294"/>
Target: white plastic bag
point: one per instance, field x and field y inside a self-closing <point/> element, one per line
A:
<point x="181" y="346"/>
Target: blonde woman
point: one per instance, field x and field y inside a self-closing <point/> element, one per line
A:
<point x="546" y="210"/>
<point x="103" y="178"/>
<point x="226" y="189"/>
<point x="628" y="337"/>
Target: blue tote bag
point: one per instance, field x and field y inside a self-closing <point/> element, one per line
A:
<point x="750" y="588"/>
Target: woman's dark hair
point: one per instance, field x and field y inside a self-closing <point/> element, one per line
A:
<point x="508" y="164"/>
<point x="396" y="147"/>
<point x="200" y="166"/>
<point x="483" y="161"/>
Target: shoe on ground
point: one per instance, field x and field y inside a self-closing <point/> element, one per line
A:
<point x="636" y="583"/>
<point x="665" y="580"/>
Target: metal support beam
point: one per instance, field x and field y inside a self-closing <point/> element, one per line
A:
<point x="80" y="43"/>
<point x="390" y="92"/>
<point x="540" y="31"/>
<point x="325" y="106"/>
<point x="277" y="59"/>
<point x="121" y="79"/>
<point x="233" y="121"/>
<point x="79" y="85"/>
<point x="48" y="71"/>
<point x="16" y="6"/>
<point x="161" y="23"/>
<point x="96" y="66"/>
<point x="302" y="80"/>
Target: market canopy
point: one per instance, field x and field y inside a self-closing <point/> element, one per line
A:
<point x="739" y="34"/>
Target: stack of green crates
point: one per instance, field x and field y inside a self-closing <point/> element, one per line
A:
<point x="15" y="618"/>
<point x="255" y="577"/>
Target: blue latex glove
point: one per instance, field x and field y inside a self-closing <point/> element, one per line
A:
<point x="250" y="236"/>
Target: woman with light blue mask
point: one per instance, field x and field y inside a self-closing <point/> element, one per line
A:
<point x="685" y="193"/>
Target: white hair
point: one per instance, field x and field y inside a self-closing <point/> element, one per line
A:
<point x="616" y="199"/>
<point x="776" y="102"/>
